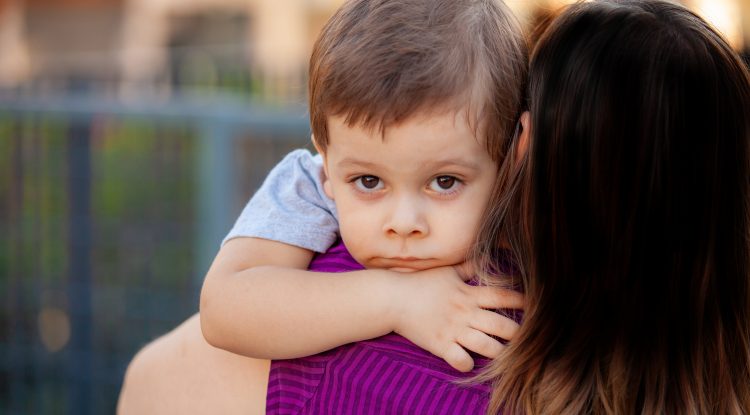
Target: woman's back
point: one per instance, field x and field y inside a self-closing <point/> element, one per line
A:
<point x="385" y="375"/>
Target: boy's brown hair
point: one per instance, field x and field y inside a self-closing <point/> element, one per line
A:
<point x="379" y="62"/>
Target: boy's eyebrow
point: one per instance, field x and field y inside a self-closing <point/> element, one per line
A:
<point x="352" y="162"/>
<point x="456" y="161"/>
<point x="433" y="165"/>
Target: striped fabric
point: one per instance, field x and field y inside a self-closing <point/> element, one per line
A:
<point x="386" y="375"/>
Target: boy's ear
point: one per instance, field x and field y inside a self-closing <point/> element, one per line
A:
<point x="326" y="182"/>
<point x="523" y="137"/>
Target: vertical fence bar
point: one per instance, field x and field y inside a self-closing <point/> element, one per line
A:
<point x="79" y="278"/>
<point x="215" y="184"/>
<point x="17" y="335"/>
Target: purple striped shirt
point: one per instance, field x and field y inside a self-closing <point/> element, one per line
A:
<point x="386" y="375"/>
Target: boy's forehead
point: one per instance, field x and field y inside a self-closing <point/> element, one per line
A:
<point x="425" y="121"/>
<point x="414" y="147"/>
<point x="444" y="139"/>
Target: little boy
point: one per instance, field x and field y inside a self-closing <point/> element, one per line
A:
<point x="412" y="106"/>
<point x="415" y="68"/>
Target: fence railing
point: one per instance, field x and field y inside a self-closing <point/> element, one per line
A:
<point x="111" y="214"/>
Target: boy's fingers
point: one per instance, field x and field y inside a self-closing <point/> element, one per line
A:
<point x="481" y="343"/>
<point x="494" y="298"/>
<point x="458" y="358"/>
<point x="494" y="324"/>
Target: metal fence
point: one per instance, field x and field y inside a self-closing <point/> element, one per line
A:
<point x="110" y="214"/>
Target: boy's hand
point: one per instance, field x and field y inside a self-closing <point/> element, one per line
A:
<point x="442" y="314"/>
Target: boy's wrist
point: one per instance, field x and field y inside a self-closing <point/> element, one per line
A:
<point x="390" y="294"/>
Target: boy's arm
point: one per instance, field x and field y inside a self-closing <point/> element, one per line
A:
<point x="258" y="300"/>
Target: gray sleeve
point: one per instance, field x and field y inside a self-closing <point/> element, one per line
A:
<point x="291" y="207"/>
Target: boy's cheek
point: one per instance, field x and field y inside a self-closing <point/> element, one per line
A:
<point x="328" y="188"/>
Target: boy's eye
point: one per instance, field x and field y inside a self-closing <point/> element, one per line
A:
<point x="368" y="183"/>
<point x="442" y="184"/>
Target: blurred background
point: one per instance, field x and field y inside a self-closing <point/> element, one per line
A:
<point x="132" y="132"/>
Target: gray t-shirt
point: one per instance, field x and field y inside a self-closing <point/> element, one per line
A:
<point x="291" y="206"/>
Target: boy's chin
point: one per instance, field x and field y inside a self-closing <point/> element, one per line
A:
<point x="403" y="269"/>
<point x="405" y="264"/>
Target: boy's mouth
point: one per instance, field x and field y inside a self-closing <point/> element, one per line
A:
<point x="406" y="259"/>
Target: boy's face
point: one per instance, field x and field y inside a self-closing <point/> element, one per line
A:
<point x="412" y="199"/>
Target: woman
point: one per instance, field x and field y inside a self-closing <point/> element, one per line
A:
<point x="633" y="231"/>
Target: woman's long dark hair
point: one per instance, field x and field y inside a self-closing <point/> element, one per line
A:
<point x="633" y="237"/>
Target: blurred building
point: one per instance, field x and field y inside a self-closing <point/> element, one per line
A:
<point x="132" y="47"/>
<point x="162" y="47"/>
<point x="171" y="38"/>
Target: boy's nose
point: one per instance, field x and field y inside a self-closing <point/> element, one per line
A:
<point x="406" y="220"/>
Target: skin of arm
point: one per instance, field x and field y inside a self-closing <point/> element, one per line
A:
<point x="259" y="300"/>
